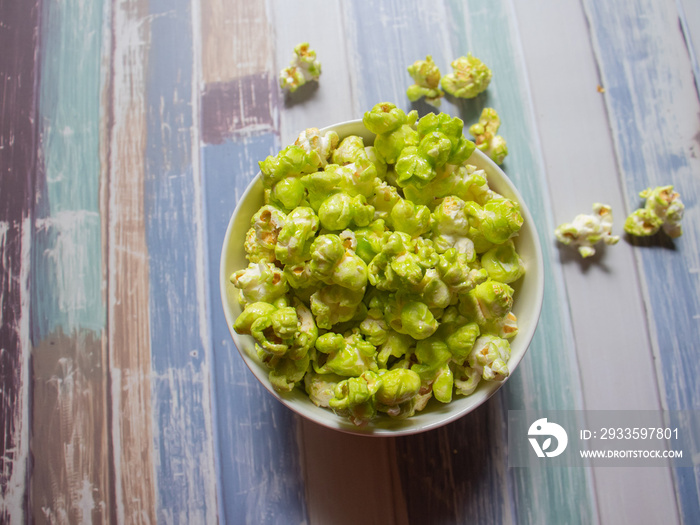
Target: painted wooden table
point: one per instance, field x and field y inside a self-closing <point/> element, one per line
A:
<point x="128" y="130"/>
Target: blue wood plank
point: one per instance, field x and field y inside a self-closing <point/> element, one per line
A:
<point x="652" y="100"/>
<point x="261" y="473"/>
<point x="180" y="349"/>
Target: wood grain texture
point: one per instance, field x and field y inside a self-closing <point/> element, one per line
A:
<point x="258" y="452"/>
<point x="18" y="64"/>
<point x="652" y="99"/>
<point x="235" y="40"/>
<point x="180" y="385"/>
<point x="128" y="272"/>
<point x="574" y="131"/>
<point x="69" y="480"/>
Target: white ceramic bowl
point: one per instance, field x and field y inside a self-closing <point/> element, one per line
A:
<point x="529" y="292"/>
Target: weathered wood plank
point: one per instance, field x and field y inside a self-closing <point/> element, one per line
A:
<point x="70" y="474"/>
<point x="652" y="99"/>
<point x="261" y="478"/>
<point x="128" y="339"/>
<point x="548" y="376"/>
<point x="181" y="356"/>
<point x="18" y="62"/>
<point x="579" y="161"/>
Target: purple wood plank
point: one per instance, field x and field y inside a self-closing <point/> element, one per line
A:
<point x="18" y="40"/>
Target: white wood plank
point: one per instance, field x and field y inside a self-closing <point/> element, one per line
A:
<point x="612" y="341"/>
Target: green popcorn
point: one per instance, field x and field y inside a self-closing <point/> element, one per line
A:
<point x="471" y="185"/>
<point x="498" y="220"/>
<point x="354" y="398"/>
<point x="396" y="387"/>
<point x="383" y="200"/>
<point x="417" y="320"/>
<point x="398" y="265"/>
<point x="374" y="328"/>
<point x="287" y="194"/>
<point x="456" y="272"/>
<point x="333" y="304"/>
<point x="292" y="161"/>
<point x="426" y="78"/>
<point x="347" y="356"/>
<point x="390" y="145"/>
<point x="410" y="218"/>
<point x="384" y="118"/>
<point x="466" y="379"/>
<point x="319" y="148"/>
<point x="378" y="161"/>
<point x="450" y="227"/>
<point x="486" y="302"/>
<point x="261" y="238"/>
<point x="485" y="133"/>
<point x="585" y="231"/>
<point x="433" y="357"/>
<point x="250" y="313"/>
<point x="285" y="331"/>
<point x="435" y="147"/>
<point x="333" y="263"/>
<point x="460" y="338"/>
<point x="297" y="234"/>
<point x="470" y="77"/>
<point x="303" y="68"/>
<point x="503" y="263"/>
<point x="275" y="331"/>
<point x="285" y="372"/>
<point x="505" y="327"/>
<point x="307" y="332"/>
<point x="434" y="292"/>
<point x="489" y="357"/>
<point x="357" y="178"/>
<point x="260" y="282"/>
<point x="319" y="185"/>
<point x="350" y="149"/>
<point x="413" y="168"/>
<point x="351" y="272"/>
<point x="396" y="346"/>
<point x="340" y="211"/>
<point x="326" y="252"/>
<point x="321" y="387"/>
<point x="370" y="240"/>
<point x="663" y="210"/>
<point x="435" y="129"/>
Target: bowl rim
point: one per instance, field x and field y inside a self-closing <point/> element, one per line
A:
<point x="388" y="427"/>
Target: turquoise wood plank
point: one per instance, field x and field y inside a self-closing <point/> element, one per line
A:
<point x="548" y="377"/>
<point x="261" y="474"/>
<point x="68" y="317"/>
<point x="652" y="100"/>
<point x="180" y="345"/>
<point x="18" y="131"/>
